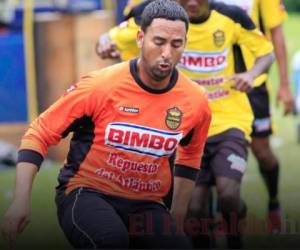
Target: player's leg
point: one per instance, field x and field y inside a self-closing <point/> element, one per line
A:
<point x="233" y="210"/>
<point x="89" y="221"/>
<point x="151" y="226"/>
<point x="229" y="165"/>
<point x="199" y="208"/>
<point x="199" y="215"/>
<point x="261" y="148"/>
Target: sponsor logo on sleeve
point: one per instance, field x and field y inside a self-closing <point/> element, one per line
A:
<point x="204" y="62"/>
<point x="70" y="89"/>
<point x="141" y="140"/>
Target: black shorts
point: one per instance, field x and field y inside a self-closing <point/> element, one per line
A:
<point x="91" y="219"/>
<point x="259" y="100"/>
<point x="225" y="155"/>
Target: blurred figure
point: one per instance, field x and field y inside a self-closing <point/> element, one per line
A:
<point x="269" y="16"/>
<point x="296" y="80"/>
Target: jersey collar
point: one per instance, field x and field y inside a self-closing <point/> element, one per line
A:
<point x="134" y="73"/>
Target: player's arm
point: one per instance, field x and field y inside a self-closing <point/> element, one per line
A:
<point x="43" y="132"/>
<point x="249" y="36"/>
<point x="284" y="93"/>
<point x="18" y="214"/>
<point x="244" y="81"/>
<point x="187" y="164"/>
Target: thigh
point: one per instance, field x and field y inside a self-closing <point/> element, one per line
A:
<point x="230" y="159"/>
<point x="89" y="221"/>
<point x="206" y="176"/>
<point x="154" y="228"/>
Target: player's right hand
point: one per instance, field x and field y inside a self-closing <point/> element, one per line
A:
<point x="242" y="82"/>
<point x="106" y="48"/>
<point x="15" y="220"/>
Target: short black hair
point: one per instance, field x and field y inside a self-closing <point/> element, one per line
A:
<point x="167" y="9"/>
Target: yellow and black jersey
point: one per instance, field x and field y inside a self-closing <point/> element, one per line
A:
<point x="130" y="5"/>
<point x="209" y="59"/>
<point x="124" y="35"/>
<point x="211" y="56"/>
<point x="266" y="14"/>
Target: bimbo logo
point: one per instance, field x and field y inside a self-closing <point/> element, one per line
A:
<point x="142" y="140"/>
<point x="203" y="62"/>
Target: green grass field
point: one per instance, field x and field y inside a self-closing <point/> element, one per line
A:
<point x="44" y="232"/>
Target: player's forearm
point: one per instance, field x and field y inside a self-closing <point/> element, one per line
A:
<point x="262" y="65"/>
<point x="24" y="179"/>
<point x="280" y="53"/>
<point x="183" y="189"/>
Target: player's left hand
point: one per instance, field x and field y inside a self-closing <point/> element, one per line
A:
<point x="284" y="95"/>
<point x="242" y="82"/>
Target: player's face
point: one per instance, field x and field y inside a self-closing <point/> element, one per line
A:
<point x="162" y="45"/>
<point x="194" y="8"/>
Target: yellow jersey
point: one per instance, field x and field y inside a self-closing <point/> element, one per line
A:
<point x="266" y="14"/>
<point x="209" y="60"/>
<point x="130" y="4"/>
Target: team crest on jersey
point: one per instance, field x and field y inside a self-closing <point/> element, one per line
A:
<point x="219" y="38"/>
<point x="173" y="118"/>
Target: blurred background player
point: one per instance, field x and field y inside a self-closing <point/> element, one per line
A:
<point x="268" y="15"/>
<point x="215" y="34"/>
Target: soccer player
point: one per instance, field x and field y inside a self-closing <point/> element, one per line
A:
<point x="127" y="120"/>
<point x="211" y="59"/>
<point x="268" y="15"/>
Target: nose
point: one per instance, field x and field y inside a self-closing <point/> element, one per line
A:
<point x="167" y="52"/>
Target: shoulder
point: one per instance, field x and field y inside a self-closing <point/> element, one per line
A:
<point x="234" y="13"/>
<point x="108" y="77"/>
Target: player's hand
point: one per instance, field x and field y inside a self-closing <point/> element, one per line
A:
<point x="242" y="82"/>
<point x="284" y="95"/>
<point x="15" y="220"/>
<point x="106" y="48"/>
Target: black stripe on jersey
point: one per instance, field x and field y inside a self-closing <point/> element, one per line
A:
<point x="185" y="172"/>
<point x="239" y="62"/>
<point x="235" y="13"/>
<point x="30" y="156"/>
<point x="260" y="20"/>
<point x="186" y="140"/>
<point x="136" y="12"/>
<point x="80" y="146"/>
<point x="134" y="73"/>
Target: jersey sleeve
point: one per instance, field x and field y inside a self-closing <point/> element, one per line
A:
<point x="124" y="35"/>
<point x="273" y="12"/>
<point x="78" y="101"/>
<point x="190" y="150"/>
<point x="253" y="40"/>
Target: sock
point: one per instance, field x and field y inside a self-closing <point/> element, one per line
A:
<point x="271" y="180"/>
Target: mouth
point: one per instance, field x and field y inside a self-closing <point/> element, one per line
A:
<point x="164" y="66"/>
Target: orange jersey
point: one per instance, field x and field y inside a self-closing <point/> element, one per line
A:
<point x="124" y="132"/>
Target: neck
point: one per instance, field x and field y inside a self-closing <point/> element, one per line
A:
<point x="203" y="16"/>
<point x="148" y="80"/>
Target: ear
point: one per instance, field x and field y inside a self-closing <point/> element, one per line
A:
<point x="140" y="38"/>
